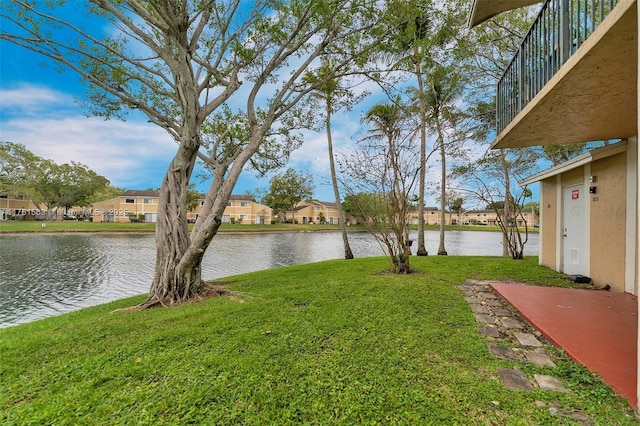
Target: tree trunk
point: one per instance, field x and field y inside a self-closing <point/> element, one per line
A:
<point x="348" y="254"/>
<point x="177" y="276"/>
<point x="506" y="211"/>
<point x="443" y="189"/>
<point x="402" y="264"/>
<point x="422" y="250"/>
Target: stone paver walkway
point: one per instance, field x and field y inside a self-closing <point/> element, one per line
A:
<point x="510" y="337"/>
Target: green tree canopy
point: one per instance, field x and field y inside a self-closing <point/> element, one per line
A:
<point x="288" y="189"/>
<point x="45" y="182"/>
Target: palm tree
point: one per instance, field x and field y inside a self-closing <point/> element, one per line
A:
<point x="443" y="91"/>
<point x="329" y="90"/>
<point x="384" y="120"/>
<point x="415" y="31"/>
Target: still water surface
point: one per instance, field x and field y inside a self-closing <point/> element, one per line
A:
<point x="45" y="275"/>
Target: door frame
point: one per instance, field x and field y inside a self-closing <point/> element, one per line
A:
<point x="586" y="213"/>
<point x="572" y="229"/>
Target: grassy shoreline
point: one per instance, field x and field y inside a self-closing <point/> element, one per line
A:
<point x="26" y="227"/>
<point x="335" y="342"/>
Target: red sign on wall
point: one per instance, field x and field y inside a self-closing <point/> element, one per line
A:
<point x="575" y="194"/>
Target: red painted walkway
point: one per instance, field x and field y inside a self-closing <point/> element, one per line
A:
<point x="598" y="329"/>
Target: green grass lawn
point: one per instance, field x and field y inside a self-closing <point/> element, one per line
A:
<point x="336" y="342"/>
<point x="77" y="226"/>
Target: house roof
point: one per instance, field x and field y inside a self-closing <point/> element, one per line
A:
<point x="153" y="193"/>
<point x="581" y="160"/>
<point x="478" y="211"/>
<point x="141" y="193"/>
<point x="324" y="203"/>
<point x="483" y="10"/>
<point x="426" y="209"/>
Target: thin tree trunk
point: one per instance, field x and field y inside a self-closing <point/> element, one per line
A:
<point x="348" y="254"/>
<point x="506" y="211"/>
<point x="422" y="250"/>
<point x="442" y="251"/>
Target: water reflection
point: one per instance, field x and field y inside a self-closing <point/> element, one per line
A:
<point x="44" y="275"/>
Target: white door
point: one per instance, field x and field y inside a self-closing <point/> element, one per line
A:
<point x="573" y="261"/>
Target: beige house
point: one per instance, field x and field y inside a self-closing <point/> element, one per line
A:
<point x="584" y="205"/>
<point x="469" y="217"/>
<point x="490" y="218"/>
<point x="241" y="209"/>
<point x="143" y="206"/>
<point x="13" y="206"/>
<point x="431" y="216"/>
<point x="479" y="217"/>
<point x="575" y="79"/>
<point x="315" y="211"/>
<point x="19" y="207"/>
<point x="133" y="205"/>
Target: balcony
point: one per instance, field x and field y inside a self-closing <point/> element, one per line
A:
<point x="574" y="77"/>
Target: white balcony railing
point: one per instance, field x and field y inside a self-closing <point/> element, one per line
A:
<point x="557" y="33"/>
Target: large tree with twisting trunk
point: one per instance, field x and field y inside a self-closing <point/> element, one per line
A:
<point x="181" y="63"/>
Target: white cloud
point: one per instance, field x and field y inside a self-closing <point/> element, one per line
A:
<point x="31" y="97"/>
<point x="123" y="152"/>
<point x="133" y="154"/>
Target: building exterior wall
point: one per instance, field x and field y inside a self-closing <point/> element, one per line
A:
<point x="16" y="207"/>
<point x="119" y="209"/>
<point x="301" y="214"/>
<point x="432" y="217"/>
<point x="490" y="218"/>
<point x="316" y="212"/>
<point x="606" y="216"/>
<point x="573" y="177"/>
<point x="240" y="209"/>
<point x="608" y="220"/>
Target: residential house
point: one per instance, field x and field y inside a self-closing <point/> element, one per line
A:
<point x="242" y="209"/>
<point x="143" y="206"/>
<point x="575" y="79"/>
<point x="19" y="207"/>
<point x="132" y="205"/>
<point x="315" y="211"/>
<point x="431" y="216"/>
<point x="489" y="217"/>
<point x="479" y="217"/>
<point x="15" y="206"/>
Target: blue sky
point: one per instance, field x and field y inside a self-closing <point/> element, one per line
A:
<point x="38" y="110"/>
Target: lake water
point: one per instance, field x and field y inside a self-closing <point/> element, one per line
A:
<point x="45" y="275"/>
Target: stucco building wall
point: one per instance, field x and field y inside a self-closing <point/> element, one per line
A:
<point x="606" y="216"/>
<point x="608" y="219"/>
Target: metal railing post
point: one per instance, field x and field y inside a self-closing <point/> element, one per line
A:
<point x="565" y="37"/>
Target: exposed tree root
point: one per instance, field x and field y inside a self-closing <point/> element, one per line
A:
<point x="209" y="291"/>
